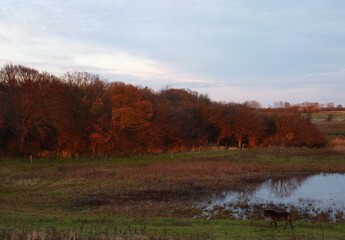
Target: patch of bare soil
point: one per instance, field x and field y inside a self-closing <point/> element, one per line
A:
<point x="163" y="199"/>
<point x="182" y="198"/>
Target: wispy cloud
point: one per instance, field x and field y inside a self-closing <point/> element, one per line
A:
<point x="124" y="64"/>
<point x="12" y="32"/>
<point x="336" y="73"/>
<point x="237" y="50"/>
<point x="61" y="55"/>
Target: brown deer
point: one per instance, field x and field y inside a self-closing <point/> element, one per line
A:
<point x="276" y="216"/>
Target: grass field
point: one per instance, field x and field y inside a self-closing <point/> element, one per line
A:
<point x="149" y="196"/>
<point x="331" y="123"/>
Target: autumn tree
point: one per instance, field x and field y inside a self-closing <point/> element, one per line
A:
<point x="163" y="129"/>
<point x="129" y="110"/>
<point x="219" y="120"/>
<point x="249" y="125"/>
<point x="32" y="107"/>
<point x="291" y="129"/>
<point x="90" y="110"/>
<point x="188" y="107"/>
<point x="309" y="135"/>
<point x="82" y="113"/>
<point x="131" y="114"/>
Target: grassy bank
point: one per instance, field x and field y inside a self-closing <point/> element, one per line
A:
<point x="88" y="226"/>
<point x="150" y="196"/>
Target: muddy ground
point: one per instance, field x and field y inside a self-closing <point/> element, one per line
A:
<point x="194" y="200"/>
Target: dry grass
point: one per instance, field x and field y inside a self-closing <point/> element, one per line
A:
<point x="181" y="173"/>
<point x="156" y="187"/>
<point x="167" y="189"/>
<point x="337" y="144"/>
<point x="332" y="129"/>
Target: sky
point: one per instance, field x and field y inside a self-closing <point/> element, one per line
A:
<point x="232" y="50"/>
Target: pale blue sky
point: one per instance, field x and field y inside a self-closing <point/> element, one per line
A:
<point x="233" y="50"/>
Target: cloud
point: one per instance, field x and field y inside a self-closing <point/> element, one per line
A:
<point x="143" y="68"/>
<point x="240" y="49"/>
<point x="335" y="74"/>
<point x="11" y="32"/>
<point x="56" y="54"/>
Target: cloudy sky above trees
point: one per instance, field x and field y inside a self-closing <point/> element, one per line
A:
<point x="233" y="50"/>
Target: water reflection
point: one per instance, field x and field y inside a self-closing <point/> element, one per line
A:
<point x="284" y="186"/>
<point x="309" y="196"/>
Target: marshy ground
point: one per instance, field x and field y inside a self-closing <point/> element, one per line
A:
<point x="153" y="196"/>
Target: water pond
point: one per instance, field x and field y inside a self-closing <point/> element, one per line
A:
<point x="320" y="196"/>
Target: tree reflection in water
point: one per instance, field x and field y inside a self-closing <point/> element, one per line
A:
<point x="309" y="195"/>
<point x="283" y="187"/>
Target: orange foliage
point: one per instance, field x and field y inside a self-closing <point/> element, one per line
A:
<point x="80" y="113"/>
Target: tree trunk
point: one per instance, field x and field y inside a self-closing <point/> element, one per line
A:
<point x="21" y="140"/>
<point x="240" y="142"/>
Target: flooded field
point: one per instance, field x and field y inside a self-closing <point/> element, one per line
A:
<point x="308" y="197"/>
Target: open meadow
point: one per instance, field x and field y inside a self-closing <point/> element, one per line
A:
<point x="331" y="123"/>
<point x="151" y="196"/>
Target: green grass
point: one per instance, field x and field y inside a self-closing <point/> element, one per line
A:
<point x="326" y="115"/>
<point x="331" y="129"/>
<point x="90" y="197"/>
<point x="89" y="225"/>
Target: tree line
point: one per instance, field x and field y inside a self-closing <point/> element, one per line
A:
<point x="80" y="113"/>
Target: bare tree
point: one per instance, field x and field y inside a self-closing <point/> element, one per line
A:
<point x="90" y="107"/>
<point x="32" y="105"/>
<point x="252" y="104"/>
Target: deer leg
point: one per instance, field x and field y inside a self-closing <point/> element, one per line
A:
<point x="275" y="223"/>
<point x="286" y="222"/>
<point x="291" y="224"/>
